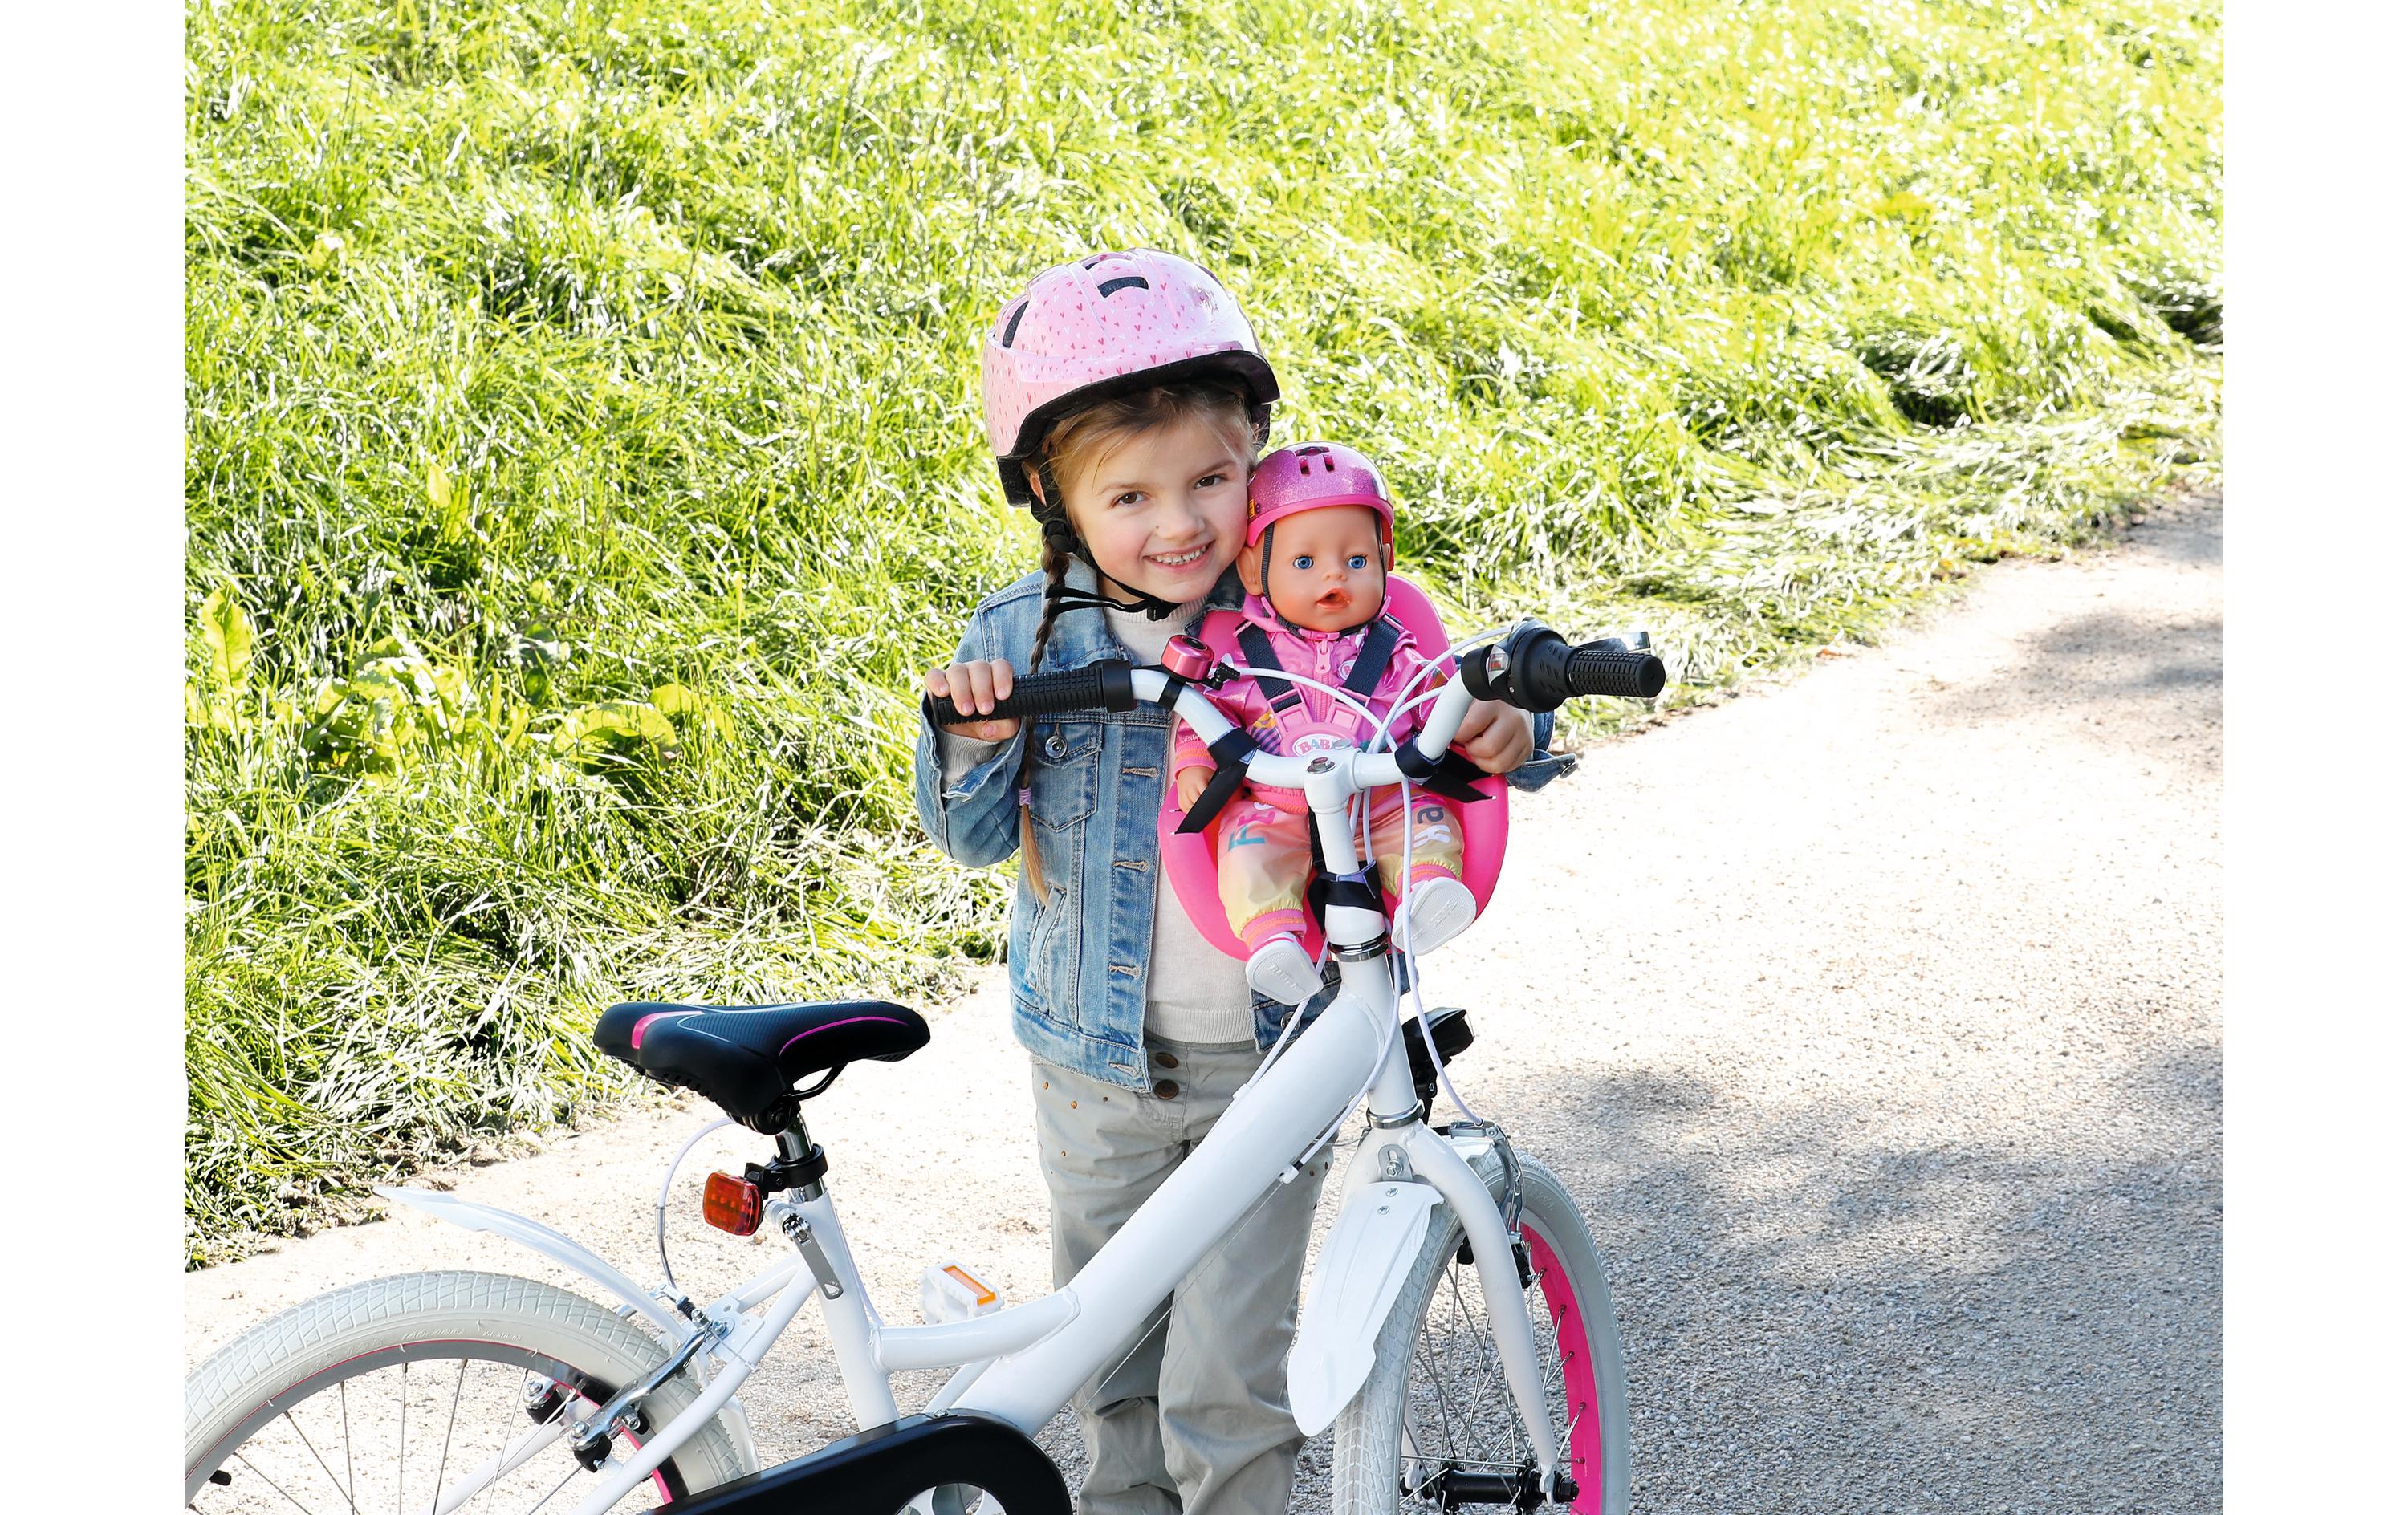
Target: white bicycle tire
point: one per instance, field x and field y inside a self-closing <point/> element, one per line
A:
<point x="369" y="1327"/>
<point x="1368" y="1458"/>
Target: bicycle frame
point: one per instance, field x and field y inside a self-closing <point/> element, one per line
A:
<point x="1022" y="1365"/>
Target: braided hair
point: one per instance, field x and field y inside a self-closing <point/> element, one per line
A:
<point x="1070" y="448"/>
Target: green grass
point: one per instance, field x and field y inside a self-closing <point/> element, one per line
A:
<point x="582" y="448"/>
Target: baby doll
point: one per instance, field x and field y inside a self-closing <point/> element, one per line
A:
<point x="1320" y="540"/>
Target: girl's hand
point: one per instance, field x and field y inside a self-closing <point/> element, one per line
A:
<point x="1191" y="784"/>
<point x="976" y="686"/>
<point x="1495" y="736"/>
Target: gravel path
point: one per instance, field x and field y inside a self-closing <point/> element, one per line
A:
<point x="1891" y="1080"/>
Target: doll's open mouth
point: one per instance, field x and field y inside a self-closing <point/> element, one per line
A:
<point x="1335" y="599"/>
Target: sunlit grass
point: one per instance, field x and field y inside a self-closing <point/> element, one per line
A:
<point x="582" y="443"/>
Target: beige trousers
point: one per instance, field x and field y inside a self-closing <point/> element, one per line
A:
<point x="1266" y="859"/>
<point x="1195" y="1420"/>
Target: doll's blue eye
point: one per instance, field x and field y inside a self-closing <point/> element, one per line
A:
<point x="1302" y="560"/>
<point x="1358" y="562"/>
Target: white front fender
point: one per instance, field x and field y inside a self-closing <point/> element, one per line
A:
<point x="1363" y="1264"/>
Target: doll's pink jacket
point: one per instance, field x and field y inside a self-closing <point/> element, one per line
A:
<point x="1327" y="656"/>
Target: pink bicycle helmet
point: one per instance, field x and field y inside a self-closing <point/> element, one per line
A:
<point x="1101" y="327"/>
<point x="1315" y="476"/>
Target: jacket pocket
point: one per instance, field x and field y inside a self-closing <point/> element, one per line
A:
<point x="1065" y="754"/>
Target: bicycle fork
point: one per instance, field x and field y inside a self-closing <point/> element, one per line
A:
<point x="1357" y="933"/>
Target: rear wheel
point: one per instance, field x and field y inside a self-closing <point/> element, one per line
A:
<point x="387" y="1393"/>
<point x="1434" y="1428"/>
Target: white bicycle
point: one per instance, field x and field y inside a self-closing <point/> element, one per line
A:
<point x="1457" y="1331"/>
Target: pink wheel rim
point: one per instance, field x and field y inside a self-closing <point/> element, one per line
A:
<point x="1585" y="1457"/>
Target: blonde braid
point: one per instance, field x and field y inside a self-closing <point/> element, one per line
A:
<point x="1058" y="568"/>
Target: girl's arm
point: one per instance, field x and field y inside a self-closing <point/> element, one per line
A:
<point x="963" y="789"/>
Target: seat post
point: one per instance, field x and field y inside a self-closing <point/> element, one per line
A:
<point x="794" y="1151"/>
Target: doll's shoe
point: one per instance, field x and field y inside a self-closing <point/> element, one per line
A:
<point x="1282" y="969"/>
<point x="1438" y="909"/>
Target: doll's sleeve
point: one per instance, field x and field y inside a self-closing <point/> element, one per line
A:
<point x="1188" y="750"/>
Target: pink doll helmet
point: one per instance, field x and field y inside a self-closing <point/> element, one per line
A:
<point x="1315" y="476"/>
<point x="1191" y="859"/>
<point x="1100" y="326"/>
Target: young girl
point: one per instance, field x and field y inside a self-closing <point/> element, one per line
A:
<point x="1125" y="399"/>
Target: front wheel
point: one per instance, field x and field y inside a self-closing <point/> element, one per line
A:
<point x="386" y="1394"/>
<point x="1434" y="1428"/>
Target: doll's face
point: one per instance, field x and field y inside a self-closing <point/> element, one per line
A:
<point x="1327" y="570"/>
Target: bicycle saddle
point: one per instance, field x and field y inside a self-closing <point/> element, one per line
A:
<point x="747" y="1058"/>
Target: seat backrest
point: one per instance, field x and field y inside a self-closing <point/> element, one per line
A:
<point x="1192" y="859"/>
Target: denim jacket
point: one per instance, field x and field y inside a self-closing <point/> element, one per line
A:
<point x="1077" y="957"/>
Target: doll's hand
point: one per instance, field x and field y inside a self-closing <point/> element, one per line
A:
<point x="1192" y="782"/>
<point x="1495" y="736"/>
<point x="976" y="686"/>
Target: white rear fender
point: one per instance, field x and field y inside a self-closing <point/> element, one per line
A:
<point x="1363" y="1264"/>
<point x="543" y="1239"/>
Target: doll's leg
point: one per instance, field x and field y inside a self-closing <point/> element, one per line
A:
<point x="1436" y="905"/>
<point x="1265" y="859"/>
<point x="1438" y="843"/>
<point x="1265" y="856"/>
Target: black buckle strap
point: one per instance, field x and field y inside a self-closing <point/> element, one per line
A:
<point x="1450" y="774"/>
<point x="1325" y="890"/>
<point x="1228" y="773"/>
<point x="1371" y="660"/>
<point x="1261" y="654"/>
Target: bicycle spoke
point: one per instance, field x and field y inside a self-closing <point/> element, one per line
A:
<point x="271" y="1484"/>
<point x="312" y="1449"/>
<point x="1438" y="1386"/>
<point x="445" y="1460"/>
<point x="350" y="1484"/>
<point x="555" y="1489"/>
<point x="502" y="1453"/>
<point x="1490" y="1370"/>
<point x="401" y="1457"/>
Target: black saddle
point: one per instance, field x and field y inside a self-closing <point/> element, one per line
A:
<point x="748" y="1058"/>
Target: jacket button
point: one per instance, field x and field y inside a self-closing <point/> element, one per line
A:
<point x="1165" y="1060"/>
<point x="1164" y="1089"/>
<point x="1055" y="747"/>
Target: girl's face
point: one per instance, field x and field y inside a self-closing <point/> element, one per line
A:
<point x="1165" y="512"/>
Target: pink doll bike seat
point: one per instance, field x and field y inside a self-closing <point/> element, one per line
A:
<point x="1191" y="859"/>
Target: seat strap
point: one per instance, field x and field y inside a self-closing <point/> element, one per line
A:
<point x="1284" y="696"/>
<point x="1380" y="641"/>
<point x="1228" y="773"/>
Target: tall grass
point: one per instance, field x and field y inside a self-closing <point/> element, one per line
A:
<point x="581" y="439"/>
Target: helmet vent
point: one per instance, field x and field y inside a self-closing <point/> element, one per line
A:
<point x="1011" y="328"/>
<point x="1113" y="286"/>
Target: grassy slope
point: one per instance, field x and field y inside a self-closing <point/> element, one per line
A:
<point x="581" y="437"/>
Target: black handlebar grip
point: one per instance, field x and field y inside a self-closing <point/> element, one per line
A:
<point x="1534" y="669"/>
<point x="1598" y="669"/>
<point x="1099" y="686"/>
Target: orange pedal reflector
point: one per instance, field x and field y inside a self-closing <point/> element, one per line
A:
<point x="732" y="1204"/>
<point x="980" y="1293"/>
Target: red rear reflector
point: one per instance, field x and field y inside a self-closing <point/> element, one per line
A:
<point x="732" y="1204"/>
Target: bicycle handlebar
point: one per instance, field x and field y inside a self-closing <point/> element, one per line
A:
<point x="1532" y="668"/>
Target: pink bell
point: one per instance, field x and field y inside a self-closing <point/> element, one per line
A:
<point x="1185" y="657"/>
